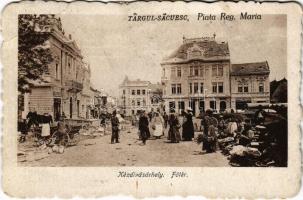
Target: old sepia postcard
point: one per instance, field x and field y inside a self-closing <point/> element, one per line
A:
<point x="151" y="98"/>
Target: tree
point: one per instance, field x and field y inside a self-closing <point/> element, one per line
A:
<point x="34" y="54"/>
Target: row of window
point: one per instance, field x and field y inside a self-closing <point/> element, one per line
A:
<point x="138" y="102"/>
<point x="217" y="87"/>
<point x="196" y="88"/>
<point x="243" y="87"/>
<point x="201" y="104"/>
<point x="217" y="70"/>
<point x="136" y="92"/>
<point x="78" y="75"/>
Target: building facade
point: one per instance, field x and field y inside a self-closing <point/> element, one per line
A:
<point x="134" y="95"/>
<point x="66" y="86"/>
<point x="250" y="83"/>
<point x="199" y="75"/>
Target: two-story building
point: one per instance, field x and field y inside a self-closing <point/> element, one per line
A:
<point x="250" y="83"/>
<point x="199" y="75"/>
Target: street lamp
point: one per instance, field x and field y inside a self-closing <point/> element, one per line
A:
<point x="204" y="96"/>
<point x="215" y="104"/>
<point x="148" y="98"/>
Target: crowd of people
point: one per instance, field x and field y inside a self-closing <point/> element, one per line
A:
<point x="156" y="125"/>
<point x="233" y="133"/>
<point x="257" y="140"/>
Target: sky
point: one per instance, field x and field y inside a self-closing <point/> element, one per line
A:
<point x="115" y="47"/>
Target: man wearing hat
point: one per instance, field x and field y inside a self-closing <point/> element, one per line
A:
<point x="115" y="128"/>
<point x="143" y="127"/>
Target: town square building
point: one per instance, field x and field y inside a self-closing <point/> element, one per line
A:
<point x="250" y="83"/>
<point x="134" y="96"/>
<point x="66" y="85"/>
<point x="200" y="75"/>
<point x="137" y="95"/>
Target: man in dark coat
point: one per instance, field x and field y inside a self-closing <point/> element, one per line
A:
<point x="165" y="117"/>
<point x="143" y="127"/>
<point x="188" y="126"/>
<point x="115" y="128"/>
<point x="174" y="126"/>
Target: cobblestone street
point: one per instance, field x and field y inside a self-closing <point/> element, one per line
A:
<point x="99" y="152"/>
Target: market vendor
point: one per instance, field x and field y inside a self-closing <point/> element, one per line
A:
<point x="246" y="136"/>
<point x="210" y="124"/>
<point x="62" y="133"/>
<point x="221" y="124"/>
<point x="232" y="127"/>
<point x="260" y="115"/>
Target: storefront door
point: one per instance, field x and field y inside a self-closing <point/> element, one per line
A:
<point x="70" y="107"/>
<point x="192" y="105"/>
<point x="222" y="106"/>
<point x="57" y="109"/>
<point x="172" y="107"/>
<point x="201" y="106"/>
<point x="78" y="108"/>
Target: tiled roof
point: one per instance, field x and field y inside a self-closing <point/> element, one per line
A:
<point x="155" y="86"/>
<point x="137" y="82"/>
<point x="250" y="68"/>
<point x="199" y="49"/>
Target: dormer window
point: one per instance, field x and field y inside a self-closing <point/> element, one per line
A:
<point x="194" y="51"/>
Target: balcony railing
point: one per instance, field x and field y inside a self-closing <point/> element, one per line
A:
<point x="74" y="86"/>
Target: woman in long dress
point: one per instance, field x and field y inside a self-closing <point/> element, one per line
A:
<point x="157" y="125"/>
<point x="45" y="132"/>
<point x="188" y="126"/>
<point x="174" y="126"/>
<point x="46" y="121"/>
